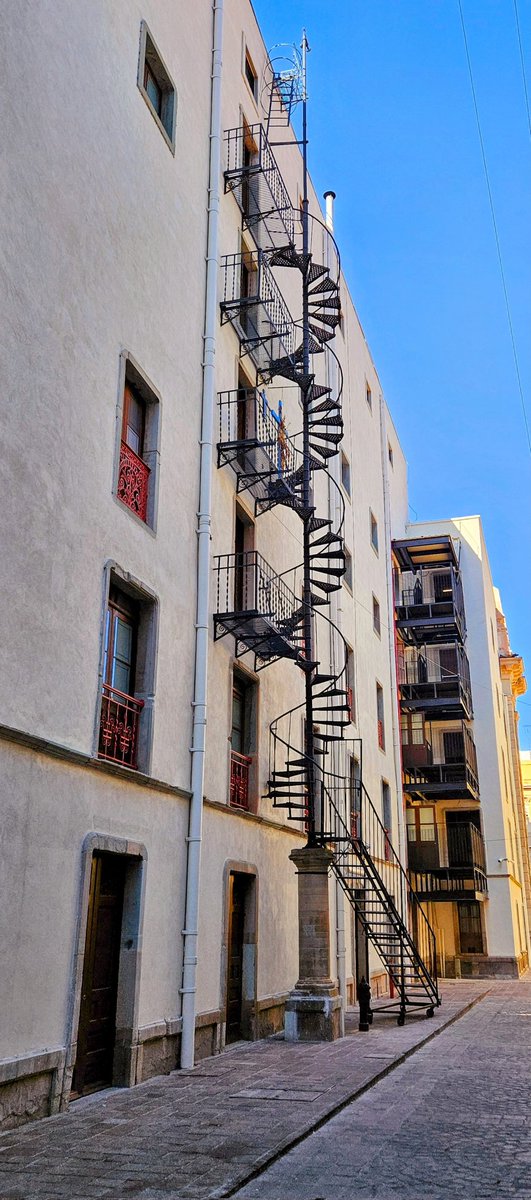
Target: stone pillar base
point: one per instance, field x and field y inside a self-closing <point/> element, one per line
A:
<point x="312" y="1016"/>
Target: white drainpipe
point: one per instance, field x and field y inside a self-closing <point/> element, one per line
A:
<point x="188" y="989"/>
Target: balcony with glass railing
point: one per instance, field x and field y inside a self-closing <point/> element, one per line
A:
<point x="430" y="606"/>
<point x="439" y="763"/>
<point x="435" y="679"/>
<point x="457" y="872"/>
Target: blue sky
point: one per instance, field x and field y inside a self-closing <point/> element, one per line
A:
<point x="393" y="131"/>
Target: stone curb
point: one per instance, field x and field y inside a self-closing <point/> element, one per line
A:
<point x="271" y="1156"/>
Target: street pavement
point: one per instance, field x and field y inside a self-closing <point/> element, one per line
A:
<point x="206" y="1133"/>
<point x="454" y="1121"/>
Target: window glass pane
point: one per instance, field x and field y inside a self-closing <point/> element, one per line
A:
<point x="123" y="645"/>
<point x="153" y="90"/>
<point x="135" y="423"/>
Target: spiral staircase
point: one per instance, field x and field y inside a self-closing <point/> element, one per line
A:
<point x="315" y="789"/>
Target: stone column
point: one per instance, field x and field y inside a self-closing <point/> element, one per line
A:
<point x="313" y="1007"/>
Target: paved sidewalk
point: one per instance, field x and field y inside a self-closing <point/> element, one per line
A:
<point x="204" y="1133"/>
<point x="452" y="1123"/>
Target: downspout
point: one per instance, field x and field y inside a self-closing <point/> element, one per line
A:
<point x="393" y="666"/>
<point x="336" y="615"/>
<point x="204" y="520"/>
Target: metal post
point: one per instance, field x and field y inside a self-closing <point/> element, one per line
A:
<point x="309" y="748"/>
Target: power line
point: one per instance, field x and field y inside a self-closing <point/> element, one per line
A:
<point x="522" y="64"/>
<point x="496" y="235"/>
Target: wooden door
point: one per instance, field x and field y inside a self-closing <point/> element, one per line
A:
<point x="97" y="1017"/>
<point x="237" y="890"/>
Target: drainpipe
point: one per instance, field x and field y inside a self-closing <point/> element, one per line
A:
<point x="393" y="669"/>
<point x="204" y="520"/>
<point x="336" y="615"/>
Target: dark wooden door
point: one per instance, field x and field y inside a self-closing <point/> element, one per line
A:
<point x="97" y="1017"/>
<point x="237" y="890"/>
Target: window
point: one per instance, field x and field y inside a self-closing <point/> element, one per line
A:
<point x="412" y="729"/>
<point x="355" y="797"/>
<point x="386" y="818"/>
<point x="138" y="454"/>
<point x="376" y="616"/>
<point x="243" y="740"/>
<point x="368" y="395"/>
<point x="127" y="676"/>
<point x="250" y="184"/>
<point x="380" y="716"/>
<point x="374" y="531"/>
<point x="156" y="86"/>
<point x="470" y="935"/>
<point x="244" y="562"/>
<point x="251" y="75"/>
<point x="345" y="473"/>
<point x="351" y="692"/>
<point x="390" y="453"/>
<point x="347" y="578"/>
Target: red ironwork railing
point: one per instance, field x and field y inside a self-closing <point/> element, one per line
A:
<point x="133" y="481"/>
<point x="119" y="726"/>
<point x="239" y="779"/>
<point x="381" y="735"/>
<point x="350" y="703"/>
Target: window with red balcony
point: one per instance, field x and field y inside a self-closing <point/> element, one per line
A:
<point x="242" y="741"/>
<point x="380" y="716"/>
<point x="127" y="675"/>
<point x="133" y="481"/>
<point x="138" y="433"/>
<point x="120" y="710"/>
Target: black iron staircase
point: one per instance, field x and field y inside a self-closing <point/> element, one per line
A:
<point x="315" y="789"/>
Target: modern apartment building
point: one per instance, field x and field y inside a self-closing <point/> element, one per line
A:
<point x="458" y="682"/>
<point x="154" y="655"/>
<point x="525" y="768"/>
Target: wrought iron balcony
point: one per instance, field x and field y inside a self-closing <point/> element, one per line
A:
<point x="254" y="305"/>
<point x="133" y="481"/>
<point x="252" y="175"/>
<point x="240" y="767"/>
<point x="253" y="440"/>
<point x="257" y="607"/>
<point x="430" y="605"/>
<point x="451" y="773"/>
<point x="119" y="720"/>
<point x="435" y="679"/>
<point x="462" y="876"/>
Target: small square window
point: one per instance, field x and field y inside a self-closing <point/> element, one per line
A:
<point x="345" y="473"/>
<point x="156" y="86"/>
<point x="374" y="531"/>
<point x="368" y="395"/>
<point x="347" y="578"/>
<point x="390" y="453"/>
<point x="376" y="616"/>
<point x="250" y="74"/>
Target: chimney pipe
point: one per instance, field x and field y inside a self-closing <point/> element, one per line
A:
<point x="329" y="198"/>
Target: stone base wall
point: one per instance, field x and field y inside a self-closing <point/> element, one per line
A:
<point x="482" y="966"/>
<point x="30" y="1088"/>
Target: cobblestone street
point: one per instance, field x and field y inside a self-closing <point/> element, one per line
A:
<point x="453" y="1121"/>
<point x="447" y="1116"/>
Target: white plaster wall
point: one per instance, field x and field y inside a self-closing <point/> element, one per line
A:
<point x="49" y="808"/>
<point x="103" y="250"/>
